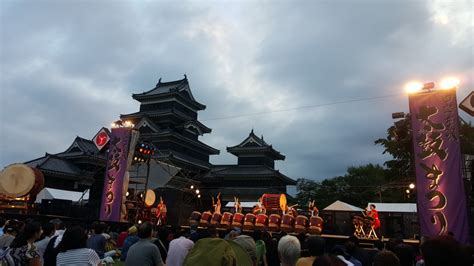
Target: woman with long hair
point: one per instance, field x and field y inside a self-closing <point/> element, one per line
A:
<point x="23" y="250"/>
<point x="73" y="251"/>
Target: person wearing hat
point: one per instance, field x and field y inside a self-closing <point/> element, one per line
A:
<point x="248" y="244"/>
<point x="217" y="252"/>
<point x="131" y="239"/>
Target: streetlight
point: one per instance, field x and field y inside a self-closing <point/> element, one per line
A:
<point x="449" y="83"/>
<point x="411" y="186"/>
<point x="192" y="186"/>
<point x="197" y="191"/>
<point x="199" y="196"/>
<point x="407" y="191"/>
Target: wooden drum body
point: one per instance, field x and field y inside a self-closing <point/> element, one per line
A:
<point x="274" y="202"/>
<point x="315" y="225"/>
<point x="205" y="218"/>
<point x="194" y="218"/>
<point x="301" y="224"/>
<point x="274" y="222"/>
<point x="216" y="218"/>
<point x="261" y="221"/>
<point x="249" y="222"/>
<point x="287" y="223"/>
<point x="238" y="220"/>
<point x="226" y="219"/>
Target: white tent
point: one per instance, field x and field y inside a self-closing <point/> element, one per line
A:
<point x="52" y="193"/>
<point x="243" y="204"/>
<point x="394" y="207"/>
<point x="342" y="206"/>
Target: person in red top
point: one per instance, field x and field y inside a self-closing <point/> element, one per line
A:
<point x="121" y="237"/>
<point x="374" y="214"/>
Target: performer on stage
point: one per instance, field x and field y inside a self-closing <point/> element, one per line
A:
<point x="375" y="215"/>
<point x="237" y="205"/>
<point x="217" y="204"/>
<point x="161" y="212"/>
<point x="313" y="210"/>
<point x="259" y="208"/>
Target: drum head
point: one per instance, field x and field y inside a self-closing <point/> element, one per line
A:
<point x="17" y="180"/>
<point x="283" y="202"/>
<point x="150" y="198"/>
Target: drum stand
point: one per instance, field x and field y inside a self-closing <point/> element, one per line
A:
<point x="359" y="231"/>
<point x="372" y="234"/>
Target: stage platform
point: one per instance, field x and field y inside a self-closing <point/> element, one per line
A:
<point x="334" y="239"/>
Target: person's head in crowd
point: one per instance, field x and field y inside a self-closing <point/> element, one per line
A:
<point x="163" y="233"/>
<point x="266" y="236"/>
<point x="316" y="245"/>
<point x="31" y="232"/>
<point x="386" y="258"/>
<point x="340" y="251"/>
<point x="132" y="230"/>
<point x="289" y="250"/>
<point x="58" y="224"/>
<point x="212" y="231"/>
<point x="48" y="229"/>
<point x="328" y="260"/>
<point x="247" y="243"/>
<point x="351" y="244"/>
<point x="392" y="243"/>
<point x="257" y="234"/>
<point x="10" y="227"/>
<point x="442" y="250"/>
<point x="405" y="254"/>
<point x="379" y="245"/>
<point x="99" y="228"/>
<point x="74" y="237"/>
<point x="145" y="230"/>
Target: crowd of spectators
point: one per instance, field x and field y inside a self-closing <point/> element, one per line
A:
<point x="55" y="243"/>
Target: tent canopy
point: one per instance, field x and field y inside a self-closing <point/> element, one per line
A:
<point x="160" y="174"/>
<point x="342" y="206"/>
<point x="394" y="207"/>
<point x="52" y="193"/>
<point x="243" y="204"/>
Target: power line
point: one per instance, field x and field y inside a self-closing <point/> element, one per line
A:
<point x="304" y="107"/>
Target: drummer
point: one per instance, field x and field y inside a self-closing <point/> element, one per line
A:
<point x="313" y="210"/>
<point x="237" y="205"/>
<point x="375" y="215"/>
<point x="217" y="204"/>
<point x="259" y="207"/>
<point x="161" y="212"/>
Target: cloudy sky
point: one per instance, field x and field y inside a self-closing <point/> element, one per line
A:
<point x="70" y="67"/>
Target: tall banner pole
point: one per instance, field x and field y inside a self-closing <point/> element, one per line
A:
<point x="441" y="202"/>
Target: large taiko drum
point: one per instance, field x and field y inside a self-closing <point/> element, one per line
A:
<point x="287" y="222"/>
<point x="226" y="219"/>
<point x="274" y="202"/>
<point x="205" y="218"/>
<point x="150" y="198"/>
<point x="194" y="218"/>
<point x="274" y="222"/>
<point x="249" y="222"/>
<point x="238" y="220"/>
<point x="216" y="218"/>
<point x="18" y="180"/>
<point x="261" y="221"/>
<point x="315" y="225"/>
<point x="300" y="224"/>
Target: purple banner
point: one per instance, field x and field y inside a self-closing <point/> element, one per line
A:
<point x="441" y="201"/>
<point x="114" y="174"/>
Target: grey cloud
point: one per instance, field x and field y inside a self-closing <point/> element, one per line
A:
<point x="70" y="68"/>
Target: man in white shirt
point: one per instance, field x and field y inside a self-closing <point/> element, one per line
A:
<point x="178" y="250"/>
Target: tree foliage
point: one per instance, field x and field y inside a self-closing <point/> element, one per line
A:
<point x="358" y="186"/>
